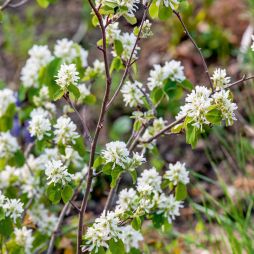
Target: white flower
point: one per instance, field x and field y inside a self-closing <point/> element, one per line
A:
<point x="130" y="237"/>
<point x="146" y="29"/>
<point x="67" y="75"/>
<point x="13" y="209"/>
<point x="116" y="153"/>
<point x="72" y="156"/>
<point x="56" y="172"/>
<point x="65" y="131"/>
<point x="137" y="160"/>
<point x="40" y="54"/>
<point x="196" y="107"/>
<point x="128" y="40"/>
<point x="127" y="199"/>
<point x="172" y="3"/>
<point x="6" y="99"/>
<point x="2" y="199"/>
<point x="65" y="49"/>
<point x="8" y="145"/>
<point x="156" y="77"/>
<point x="24" y="238"/>
<point x="113" y="32"/>
<point x="132" y="94"/>
<point x="42" y="97"/>
<point x="45" y="221"/>
<point x="220" y="78"/>
<point x="149" y="181"/>
<point x="222" y="100"/>
<point x="104" y="228"/>
<point x="39" y="125"/>
<point x="48" y="155"/>
<point x="174" y="71"/>
<point x="29" y="73"/>
<point x="132" y="5"/>
<point x="98" y="66"/>
<point x="84" y="91"/>
<point x="8" y="177"/>
<point x="169" y="207"/>
<point x="177" y="173"/>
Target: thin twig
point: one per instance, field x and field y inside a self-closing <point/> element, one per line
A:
<point x="129" y="62"/>
<point x="86" y="130"/>
<point x="196" y="46"/>
<point x="242" y="80"/>
<point x="97" y="131"/>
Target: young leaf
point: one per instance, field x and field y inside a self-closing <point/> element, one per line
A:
<point x="118" y="47"/>
<point x="67" y="193"/>
<point x="181" y="191"/>
<point x="136" y="223"/>
<point x="116" y="247"/>
<point x="74" y="90"/>
<point x="214" y="116"/>
<point x="115" y="174"/>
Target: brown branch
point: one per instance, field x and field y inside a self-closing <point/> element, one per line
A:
<point x="97" y="131"/>
<point x="242" y="80"/>
<point x="8" y="3"/>
<point x="196" y="46"/>
<point x="129" y="62"/>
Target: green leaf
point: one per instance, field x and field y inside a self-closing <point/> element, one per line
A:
<point x="74" y="90"/>
<point x="54" y="193"/>
<point x="186" y="84"/>
<point x="136" y="223"/>
<point x="214" y="116"/>
<point x="137" y="125"/>
<point x="177" y="129"/>
<point x="79" y="146"/>
<point x="116" y="247"/>
<point x="99" y="251"/>
<point x="118" y="47"/>
<point x="2" y="213"/>
<point x="43" y="3"/>
<point x="116" y="64"/>
<point x="164" y="12"/>
<point x="154" y="10"/>
<point x="107" y="169"/>
<point x="158" y="220"/>
<point x="6" y="227"/>
<point x="90" y="99"/>
<point x="129" y="19"/>
<point x="6" y="123"/>
<point x="169" y="88"/>
<point x="98" y="162"/>
<point x="156" y="95"/>
<point x="67" y="193"/>
<point x="133" y="174"/>
<point x="192" y="135"/>
<point x="181" y="191"/>
<point x="115" y="174"/>
<point x="19" y="158"/>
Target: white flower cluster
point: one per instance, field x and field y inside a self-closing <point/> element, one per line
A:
<point x="116" y="152"/>
<point x="67" y="75"/>
<point x="173" y="4"/>
<point x="40" y="56"/>
<point x="172" y="70"/>
<point x="177" y="173"/>
<point x="131" y="5"/>
<point x="148" y="198"/>
<point x="69" y="50"/>
<point x="57" y="173"/>
<point x="146" y="29"/>
<point x="223" y="101"/>
<point x="200" y="101"/>
<point x="6" y="99"/>
<point x="24" y="238"/>
<point x="39" y="125"/>
<point x="220" y="78"/>
<point x="65" y="131"/>
<point x="105" y="228"/>
<point x="158" y="125"/>
<point x="13" y="208"/>
<point x="8" y="145"/>
<point x="45" y="221"/>
<point x="132" y="94"/>
<point x="197" y="106"/>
